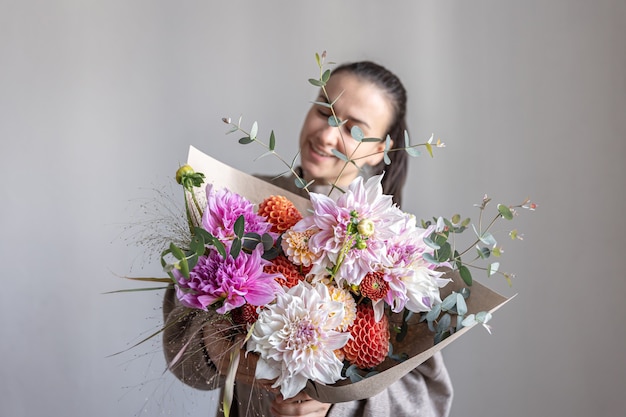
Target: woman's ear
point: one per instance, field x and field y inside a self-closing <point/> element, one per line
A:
<point x="378" y="152"/>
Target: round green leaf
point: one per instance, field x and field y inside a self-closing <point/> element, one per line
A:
<point x="357" y="133"/>
<point x="505" y="212"/>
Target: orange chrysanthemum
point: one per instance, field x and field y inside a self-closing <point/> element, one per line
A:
<point x="280" y="212"/>
<point x="246" y="314"/>
<point x="370" y="339"/>
<point x="290" y="273"/>
<point x="374" y="286"/>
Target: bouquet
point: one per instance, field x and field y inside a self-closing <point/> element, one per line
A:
<point x="339" y="295"/>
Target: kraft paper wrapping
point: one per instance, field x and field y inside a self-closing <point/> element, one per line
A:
<point x="419" y="342"/>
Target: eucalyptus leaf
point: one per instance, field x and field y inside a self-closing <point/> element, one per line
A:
<point x="238" y="228"/>
<point x="387" y="147"/>
<point x="176" y="251"/>
<point x="323" y="104"/>
<point x="267" y="241"/>
<point x="483" y="252"/>
<point x="413" y="152"/>
<point x="444" y="323"/>
<point x="316" y="83"/>
<point x="469" y="320"/>
<point x="444" y="253"/>
<point x="219" y="246"/>
<point x="465" y="292"/>
<point x="461" y="306"/>
<point x="272" y="141"/>
<point x="197" y="245"/>
<point x="268" y="153"/>
<point x="326" y="76"/>
<point x="334" y="121"/>
<point x="449" y="302"/>
<point x="235" y="247"/>
<point x="429" y="258"/>
<point x="246" y="140"/>
<point x="431" y="244"/>
<point x="300" y="182"/>
<point x="505" y="212"/>
<point x="488" y="239"/>
<point x="183" y="266"/>
<point x="357" y="133"/>
<point x="429" y="148"/>
<point x="466" y="275"/>
<point x="483" y="317"/>
<point x="254" y="130"/>
<point x="270" y="254"/>
<point x="493" y="268"/>
<point x="251" y="240"/>
<point x="434" y="312"/>
<point x="339" y="155"/>
<point x="371" y="140"/>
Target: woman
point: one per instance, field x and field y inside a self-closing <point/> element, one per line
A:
<point x="373" y="99"/>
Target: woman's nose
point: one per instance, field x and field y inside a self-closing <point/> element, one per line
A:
<point x="329" y="135"/>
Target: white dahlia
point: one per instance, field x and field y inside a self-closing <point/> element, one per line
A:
<point x="295" y="339"/>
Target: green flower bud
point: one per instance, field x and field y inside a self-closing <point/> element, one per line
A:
<point x="366" y="227"/>
<point x="182" y="172"/>
<point x="361" y="244"/>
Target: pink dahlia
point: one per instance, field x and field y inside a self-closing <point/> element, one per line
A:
<point x="351" y="232"/>
<point x="234" y="282"/>
<point x="414" y="283"/>
<point x="224" y="207"/>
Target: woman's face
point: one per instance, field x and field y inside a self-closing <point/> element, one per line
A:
<point x="362" y="104"/>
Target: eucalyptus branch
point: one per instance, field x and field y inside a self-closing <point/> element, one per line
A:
<point x="251" y="137"/>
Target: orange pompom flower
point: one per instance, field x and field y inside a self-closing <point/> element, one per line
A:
<point x="280" y="212"/>
<point x="369" y="344"/>
<point x="374" y="286"/>
<point x="290" y="273"/>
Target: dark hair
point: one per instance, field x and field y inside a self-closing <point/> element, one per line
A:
<point x="397" y="171"/>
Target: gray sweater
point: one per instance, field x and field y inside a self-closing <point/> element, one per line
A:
<point x="424" y="392"/>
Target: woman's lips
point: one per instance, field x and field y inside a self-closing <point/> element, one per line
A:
<point x="320" y="153"/>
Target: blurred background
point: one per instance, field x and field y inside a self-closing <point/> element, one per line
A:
<point x="99" y="102"/>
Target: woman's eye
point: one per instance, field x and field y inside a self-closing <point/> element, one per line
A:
<point x="324" y="113"/>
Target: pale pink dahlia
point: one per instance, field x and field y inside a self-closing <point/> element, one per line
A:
<point x="296" y="340"/>
<point x="230" y="281"/>
<point x="414" y="283"/>
<point x="223" y="209"/>
<point x="352" y="230"/>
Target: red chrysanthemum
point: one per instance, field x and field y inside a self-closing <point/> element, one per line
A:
<point x="246" y="314"/>
<point x="374" y="286"/>
<point x="290" y="273"/>
<point x="280" y="212"/>
<point x="370" y="339"/>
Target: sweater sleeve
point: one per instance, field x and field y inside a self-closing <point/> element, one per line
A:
<point x="426" y="391"/>
<point x="183" y="344"/>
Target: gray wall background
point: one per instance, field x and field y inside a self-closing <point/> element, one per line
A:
<point x="99" y="101"/>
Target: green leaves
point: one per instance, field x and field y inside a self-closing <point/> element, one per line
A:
<point x="407" y="146"/>
<point x="505" y="212"/>
<point x="466" y="275"/>
<point x="357" y="133"/>
<point x="386" y="151"/>
<point x="272" y="144"/>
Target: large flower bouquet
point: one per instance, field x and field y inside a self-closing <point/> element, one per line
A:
<point x="338" y="295"/>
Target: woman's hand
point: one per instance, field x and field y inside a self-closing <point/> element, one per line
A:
<point x="300" y="405"/>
